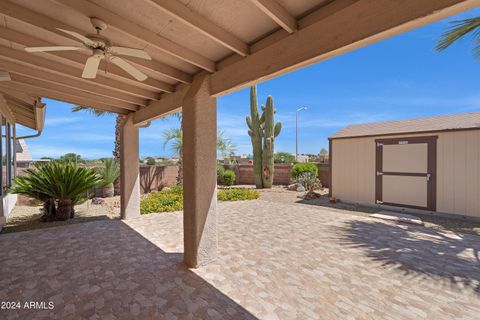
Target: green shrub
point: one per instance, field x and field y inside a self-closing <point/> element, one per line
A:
<point x="301" y="168"/>
<point x="167" y="200"/>
<point x="60" y="185"/>
<point x="236" y="194"/>
<point x="220" y="173"/>
<point x="171" y="199"/>
<point x="150" y="161"/>
<point x="229" y="178"/>
<point x="309" y="181"/>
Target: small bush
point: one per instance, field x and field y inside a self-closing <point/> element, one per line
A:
<point x="237" y="194"/>
<point x="220" y="173"/>
<point x="309" y="181"/>
<point x="171" y="199"/>
<point x="150" y="161"/>
<point x="301" y="168"/>
<point x="167" y="200"/>
<point x="229" y="178"/>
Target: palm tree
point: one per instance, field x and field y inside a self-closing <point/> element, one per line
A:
<point x="459" y="29"/>
<point x="174" y="137"/>
<point x="225" y="145"/>
<point x="118" y="124"/>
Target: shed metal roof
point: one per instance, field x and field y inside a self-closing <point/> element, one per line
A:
<point x="431" y="124"/>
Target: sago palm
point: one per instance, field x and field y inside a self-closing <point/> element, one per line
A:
<point x="108" y="173"/>
<point x="64" y="182"/>
<point x="459" y="29"/>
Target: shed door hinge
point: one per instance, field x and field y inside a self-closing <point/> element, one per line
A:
<point x="379" y="144"/>
<point x="379" y="173"/>
<point x="379" y="202"/>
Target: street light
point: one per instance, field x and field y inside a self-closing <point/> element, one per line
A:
<point x="296" y="131"/>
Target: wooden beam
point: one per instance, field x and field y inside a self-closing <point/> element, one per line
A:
<point x="278" y="14"/>
<point x="40" y="63"/>
<point x="16" y="78"/>
<point x="5" y="109"/>
<point x="170" y="103"/>
<point x="51" y="94"/>
<point x="362" y="23"/>
<point x="79" y="60"/>
<point x="201" y="24"/>
<point x="23" y="97"/>
<point x="146" y="36"/>
<point x="24" y="121"/>
<point x="31" y="71"/>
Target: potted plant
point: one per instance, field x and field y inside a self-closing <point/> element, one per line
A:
<point x="108" y="174"/>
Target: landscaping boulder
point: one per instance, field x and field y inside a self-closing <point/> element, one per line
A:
<point x="300" y="188"/>
<point x="98" y="201"/>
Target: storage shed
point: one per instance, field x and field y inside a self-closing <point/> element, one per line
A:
<point x="430" y="164"/>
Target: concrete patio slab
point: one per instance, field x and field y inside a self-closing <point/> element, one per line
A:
<point x="397" y="217"/>
<point x="275" y="261"/>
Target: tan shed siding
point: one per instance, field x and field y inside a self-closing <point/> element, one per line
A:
<point x="458" y="188"/>
<point x="458" y="170"/>
<point x="353" y="169"/>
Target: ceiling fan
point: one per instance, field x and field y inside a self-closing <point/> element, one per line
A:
<point x="101" y="49"/>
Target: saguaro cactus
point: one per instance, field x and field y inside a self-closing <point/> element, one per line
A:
<point x="255" y="133"/>
<point x="262" y="131"/>
<point x="270" y="131"/>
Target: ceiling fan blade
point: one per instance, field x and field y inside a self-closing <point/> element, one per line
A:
<point x="134" y="72"/>
<point x="53" y="48"/>
<point x="5" y="76"/>
<point x="91" y="67"/>
<point x="124" y="51"/>
<point x="80" y="37"/>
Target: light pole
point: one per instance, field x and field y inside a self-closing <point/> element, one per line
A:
<point x="296" y="131"/>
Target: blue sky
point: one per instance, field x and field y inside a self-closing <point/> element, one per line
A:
<point x="401" y="77"/>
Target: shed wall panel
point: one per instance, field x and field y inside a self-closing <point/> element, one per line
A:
<point x="458" y="170"/>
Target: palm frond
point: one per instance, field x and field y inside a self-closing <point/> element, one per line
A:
<point x="459" y="29"/>
<point x="91" y="110"/>
<point x="174" y="137"/>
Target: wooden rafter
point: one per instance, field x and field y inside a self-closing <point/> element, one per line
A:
<point x="146" y="36"/>
<point x="278" y="14"/>
<point x="33" y="82"/>
<point x="169" y="103"/>
<point x="42" y="75"/>
<point x="48" y="65"/>
<point x="52" y="94"/>
<point x="150" y="65"/>
<point x="201" y="24"/>
<point x="332" y="36"/>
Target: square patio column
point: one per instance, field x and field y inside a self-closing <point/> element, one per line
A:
<point x="129" y="170"/>
<point x="199" y="121"/>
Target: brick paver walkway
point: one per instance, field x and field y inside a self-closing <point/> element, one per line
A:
<point x="276" y="261"/>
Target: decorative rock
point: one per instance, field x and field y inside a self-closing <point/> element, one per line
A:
<point x="98" y="201"/>
<point x="292" y="187"/>
<point x="300" y="188"/>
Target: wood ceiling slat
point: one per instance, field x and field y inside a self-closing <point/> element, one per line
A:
<point x="202" y="24"/>
<point x="61" y="97"/>
<point x="42" y="75"/>
<point x="278" y="14"/>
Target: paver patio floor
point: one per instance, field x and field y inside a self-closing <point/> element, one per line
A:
<point x="276" y="261"/>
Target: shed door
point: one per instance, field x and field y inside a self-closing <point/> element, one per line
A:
<point x="406" y="170"/>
